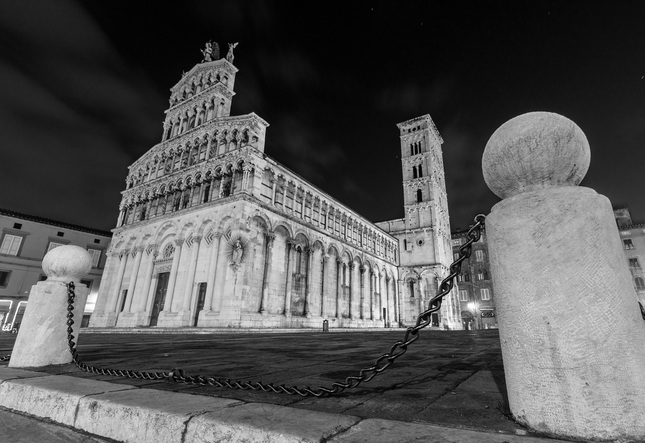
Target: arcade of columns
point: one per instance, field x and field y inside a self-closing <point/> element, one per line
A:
<point x="296" y="277"/>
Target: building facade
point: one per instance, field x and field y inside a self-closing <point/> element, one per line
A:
<point x="475" y="286"/>
<point x="423" y="234"/>
<point x="213" y="232"/>
<point x="632" y="237"/>
<point x="24" y="241"/>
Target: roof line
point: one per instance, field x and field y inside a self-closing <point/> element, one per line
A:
<point x="51" y="222"/>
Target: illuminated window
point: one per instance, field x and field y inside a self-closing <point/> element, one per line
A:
<point x="640" y="283"/>
<point x="53" y="245"/>
<point x="627" y="243"/>
<point x="463" y="295"/>
<point x="485" y="293"/>
<point x="10" y="244"/>
<point x="479" y="255"/>
<point x="96" y="257"/>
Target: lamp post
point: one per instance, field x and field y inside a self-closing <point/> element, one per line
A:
<point x="472" y="307"/>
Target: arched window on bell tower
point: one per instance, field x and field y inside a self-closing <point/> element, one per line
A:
<point x="420" y="171"/>
<point x="414" y="172"/>
<point x="419" y="196"/>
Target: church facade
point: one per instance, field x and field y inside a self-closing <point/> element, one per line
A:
<point x="214" y="233"/>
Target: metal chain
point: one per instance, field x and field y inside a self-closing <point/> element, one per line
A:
<point x="381" y="364"/>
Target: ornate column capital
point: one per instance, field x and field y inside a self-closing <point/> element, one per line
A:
<point x="269" y="237"/>
<point x="197" y="238"/>
<point x="179" y="241"/>
<point x="362" y="269"/>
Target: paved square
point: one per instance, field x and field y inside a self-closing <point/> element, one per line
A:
<point x="449" y="378"/>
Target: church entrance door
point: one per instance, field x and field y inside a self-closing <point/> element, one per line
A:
<point x="201" y="296"/>
<point x="160" y="297"/>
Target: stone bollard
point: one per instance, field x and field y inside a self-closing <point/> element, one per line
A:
<point x="42" y="338"/>
<point x="570" y="328"/>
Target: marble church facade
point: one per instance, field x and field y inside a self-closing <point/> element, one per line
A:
<point x="212" y="232"/>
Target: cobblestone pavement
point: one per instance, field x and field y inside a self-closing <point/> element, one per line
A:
<point x="448" y="378"/>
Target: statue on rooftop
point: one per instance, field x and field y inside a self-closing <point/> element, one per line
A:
<point x="230" y="55"/>
<point x="207" y="52"/>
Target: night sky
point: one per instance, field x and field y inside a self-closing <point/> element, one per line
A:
<point x="84" y="86"/>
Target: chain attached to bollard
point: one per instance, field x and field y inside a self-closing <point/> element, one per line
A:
<point x="381" y="364"/>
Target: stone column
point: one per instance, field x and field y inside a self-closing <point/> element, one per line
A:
<point x="133" y="278"/>
<point x="188" y="290"/>
<point x="379" y="280"/>
<point x="208" y="147"/>
<point x="371" y="277"/>
<point x="570" y="328"/>
<point x="273" y="192"/>
<point x="268" y="252"/>
<point x="284" y="195"/>
<point x="173" y="275"/>
<point x="119" y="280"/>
<point x="387" y="301"/>
<point x="212" y="271"/>
<point x="220" y="275"/>
<point x="339" y="263"/>
<point x="351" y="289"/>
<point x="42" y="338"/>
<point x="221" y="186"/>
<point x="399" y="291"/>
<point x="362" y="271"/>
<point x="323" y="264"/>
<point x="310" y="252"/>
<point x="153" y="252"/>
<point x="287" y="295"/>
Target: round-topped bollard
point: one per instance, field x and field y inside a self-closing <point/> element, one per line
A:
<point x="66" y="263"/>
<point x="42" y="338"/>
<point x="570" y="326"/>
<point x="535" y="151"/>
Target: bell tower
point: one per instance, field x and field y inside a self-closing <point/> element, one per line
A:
<point x="424" y="195"/>
<point x="424" y="231"/>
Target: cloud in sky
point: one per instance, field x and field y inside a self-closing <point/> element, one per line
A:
<point x="70" y="115"/>
<point x="83" y="87"/>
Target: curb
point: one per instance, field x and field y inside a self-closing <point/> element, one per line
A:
<point x="130" y="414"/>
<point x="205" y="330"/>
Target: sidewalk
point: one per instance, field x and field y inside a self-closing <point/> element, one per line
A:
<point x="17" y="428"/>
<point x="447" y="388"/>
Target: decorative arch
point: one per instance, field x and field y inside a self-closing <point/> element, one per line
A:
<point x="167" y="228"/>
<point x="262" y="216"/>
<point x="318" y="245"/>
<point x="286" y="227"/>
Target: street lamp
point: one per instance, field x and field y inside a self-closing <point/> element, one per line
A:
<point x="472" y="306"/>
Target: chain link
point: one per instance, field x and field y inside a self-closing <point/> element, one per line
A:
<point x="365" y="375"/>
